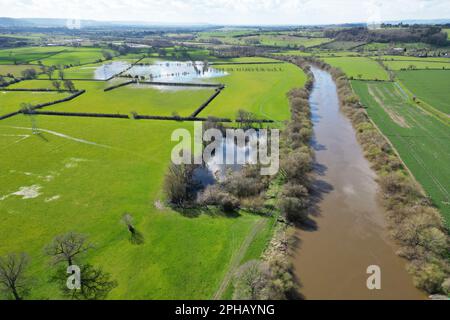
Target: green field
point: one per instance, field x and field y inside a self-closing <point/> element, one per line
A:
<point x="359" y="68"/>
<point x="51" y="55"/>
<point x="417" y="64"/>
<point x="87" y="184"/>
<point x="27" y="54"/>
<point x="83" y="174"/>
<point x="16" y="70"/>
<point x="419" y="137"/>
<point x="341" y="45"/>
<point x="286" y="40"/>
<point x="448" y="32"/>
<point x="146" y="100"/>
<point x="260" y="92"/>
<point x="414" y="59"/>
<point x="431" y="86"/>
<point x="76" y="56"/>
<point x="11" y="101"/>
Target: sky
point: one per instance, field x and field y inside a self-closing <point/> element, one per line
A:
<point x="230" y="12"/>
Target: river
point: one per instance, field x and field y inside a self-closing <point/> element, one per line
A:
<point x="348" y="230"/>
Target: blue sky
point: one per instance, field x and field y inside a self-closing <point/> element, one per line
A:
<point x="230" y="11"/>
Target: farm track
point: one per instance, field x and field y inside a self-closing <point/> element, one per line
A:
<point x="236" y="261"/>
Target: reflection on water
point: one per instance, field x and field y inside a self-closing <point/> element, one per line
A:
<point x="161" y="71"/>
<point x="229" y="157"/>
<point x="175" y="71"/>
<point x="110" y="69"/>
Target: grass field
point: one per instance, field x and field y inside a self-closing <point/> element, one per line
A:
<point x="341" y="45"/>
<point x="11" y="101"/>
<point x="419" y="137"/>
<point x="448" y="32"/>
<point x="88" y="187"/>
<point x="414" y="59"/>
<point x="286" y="40"/>
<point x="16" y="70"/>
<point x="431" y="86"/>
<point x="145" y="99"/>
<point x="359" y="68"/>
<point x="27" y="54"/>
<point x="76" y="56"/>
<point x="83" y="174"/>
<point x="51" y="55"/>
<point x="260" y="92"/>
<point x="407" y="65"/>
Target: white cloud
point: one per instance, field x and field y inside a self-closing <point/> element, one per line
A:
<point x="230" y="11"/>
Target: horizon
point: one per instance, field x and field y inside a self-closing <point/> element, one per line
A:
<point x="225" y="12"/>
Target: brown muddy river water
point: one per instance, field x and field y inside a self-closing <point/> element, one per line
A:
<point x="348" y="233"/>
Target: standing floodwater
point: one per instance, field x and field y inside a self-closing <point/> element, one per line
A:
<point x="349" y="232"/>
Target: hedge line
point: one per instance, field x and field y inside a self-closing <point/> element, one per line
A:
<point x="43" y="105"/>
<point x="120" y="85"/>
<point x="119" y="116"/>
<point x="204" y="105"/>
<point x="181" y="84"/>
<point x="35" y="90"/>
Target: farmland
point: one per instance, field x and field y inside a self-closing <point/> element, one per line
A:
<point x="416" y="64"/>
<point x="419" y="137"/>
<point x="431" y="86"/>
<point x="51" y="55"/>
<point x="27" y="54"/>
<point x="263" y="94"/>
<point x="83" y="174"/>
<point x="359" y="68"/>
<point x="101" y="162"/>
<point x="15" y="70"/>
<point x="12" y="101"/>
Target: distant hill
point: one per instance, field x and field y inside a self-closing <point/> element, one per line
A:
<point x="61" y="23"/>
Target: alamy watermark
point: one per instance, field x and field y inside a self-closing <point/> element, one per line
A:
<point x="374" y="281"/>
<point x="228" y="147"/>
<point x="74" y="280"/>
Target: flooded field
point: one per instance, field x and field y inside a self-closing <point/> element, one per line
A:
<point x="176" y="71"/>
<point x="348" y="233"/>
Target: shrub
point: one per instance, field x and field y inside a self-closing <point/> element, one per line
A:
<point x="428" y="277"/>
<point x="216" y="196"/>
<point x="179" y="184"/>
<point x="293" y="209"/>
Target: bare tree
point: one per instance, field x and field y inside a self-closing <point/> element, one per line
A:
<point x="61" y="73"/>
<point x="252" y="282"/>
<point x="95" y="284"/>
<point x="65" y="248"/>
<point x="12" y="275"/>
<point x="69" y="85"/>
<point x="136" y="236"/>
<point x="57" y="85"/>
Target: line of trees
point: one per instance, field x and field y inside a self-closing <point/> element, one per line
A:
<point x="272" y="277"/>
<point x="427" y="34"/>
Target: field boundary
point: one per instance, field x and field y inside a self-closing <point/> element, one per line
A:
<point x="244" y="63"/>
<point x="207" y="102"/>
<point x="43" y="105"/>
<point x="134" y="116"/>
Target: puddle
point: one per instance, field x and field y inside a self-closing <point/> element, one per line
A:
<point x="28" y="192"/>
